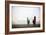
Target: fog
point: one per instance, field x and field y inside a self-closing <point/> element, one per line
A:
<point x="20" y="14"/>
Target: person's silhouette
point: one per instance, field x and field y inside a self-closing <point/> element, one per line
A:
<point x="34" y="20"/>
<point x="28" y="21"/>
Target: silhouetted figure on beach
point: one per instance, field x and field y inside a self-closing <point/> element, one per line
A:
<point x="34" y="20"/>
<point x="28" y="21"/>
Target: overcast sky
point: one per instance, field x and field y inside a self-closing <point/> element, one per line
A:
<point x="20" y="14"/>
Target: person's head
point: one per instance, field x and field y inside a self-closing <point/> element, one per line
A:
<point x="34" y="16"/>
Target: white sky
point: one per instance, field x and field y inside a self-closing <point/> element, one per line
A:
<point x="20" y="14"/>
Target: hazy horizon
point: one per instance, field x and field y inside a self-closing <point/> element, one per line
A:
<point x="20" y="14"/>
